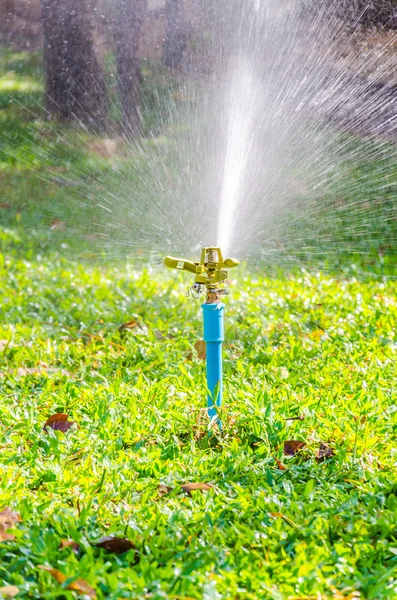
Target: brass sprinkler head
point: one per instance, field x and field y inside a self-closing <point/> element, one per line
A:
<point x="210" y="272"/>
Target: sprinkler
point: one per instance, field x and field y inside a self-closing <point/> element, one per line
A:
<point x="210" y="273"/>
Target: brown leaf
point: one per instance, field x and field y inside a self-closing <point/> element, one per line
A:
<point x="59" y="422"/>
<point x="280" y="465"/>
<point x="189" y="357"/>
<point x="129" y="325"/>
<point x="58" y="225"/>
<point x="60" y="577"/>
<point x="6" y="537"/>
<point x="7" y="521"/>
<point x="82" y="587"/>
<point x="9" y="591"/>
<point x="116" y="545"/>
<point x="79" y="585"/>
<point x="201" y="349"/>
<point x="191" y="487"/>
<point x="69" y="544"/>
<point x="324" y="452"/>
<point x="341" y="595"/>
<point x="8" y="518"/>
<point x="292" y="447"/>
<point x="163" y="490"/>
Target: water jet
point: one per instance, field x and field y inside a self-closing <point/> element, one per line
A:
<point x="210" y="273"/>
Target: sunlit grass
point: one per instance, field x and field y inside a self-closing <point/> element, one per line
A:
<point x="12" y="83"/>
<point x="306" y="358"/>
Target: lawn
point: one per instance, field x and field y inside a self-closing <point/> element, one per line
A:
<point x="310" y="359"/>
<point x="298" y="495"/>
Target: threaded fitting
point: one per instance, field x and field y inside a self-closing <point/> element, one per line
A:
<point x="212" y="256"/>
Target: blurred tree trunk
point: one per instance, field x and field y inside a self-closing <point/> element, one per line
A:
<point x="362" y="13"/>
<point x="175" y="37"/>
<point x="75" y="85"/>
<point x="129" y="19"/>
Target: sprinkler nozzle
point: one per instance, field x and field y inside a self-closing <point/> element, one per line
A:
<point x="210" y="272"/>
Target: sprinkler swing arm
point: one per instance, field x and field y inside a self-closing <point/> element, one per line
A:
<point x="209" y="273"/>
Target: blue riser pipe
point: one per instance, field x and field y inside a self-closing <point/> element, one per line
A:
<point x="213" y="315"/>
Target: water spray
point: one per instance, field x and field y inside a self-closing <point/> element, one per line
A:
<point x="210" y="273"/>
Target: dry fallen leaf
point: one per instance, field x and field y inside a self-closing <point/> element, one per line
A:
<point x="163" y="490"/>
<point x="6" y="537"/>
<point x="7" y="521"/>
<point x="59" y="422"/>
<point x="280" y="465"/>
<point x="201" y="349"/>
<point x="324" y="453"/>
<point x="292" y="447"/>
<point x="69" y="544"/>
<point x="79" y="585"/>
<point x="60" y="577"/>
<point x="58" y="225"/>
<point x="8" y="518"/>
<point x="82" y="587"/>
<point x="192" y="487"/>
<point x="341" y="595"/>
<point x="9" y="591"/>
<point x="129" y="325"/>
<point x="116" y="545"/>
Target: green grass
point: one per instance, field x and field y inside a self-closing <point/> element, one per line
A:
<point x="308" y="357"/>
<point x="310" y="347"/>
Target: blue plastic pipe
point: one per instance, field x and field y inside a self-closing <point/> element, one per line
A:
<point x="214" y="336"/>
